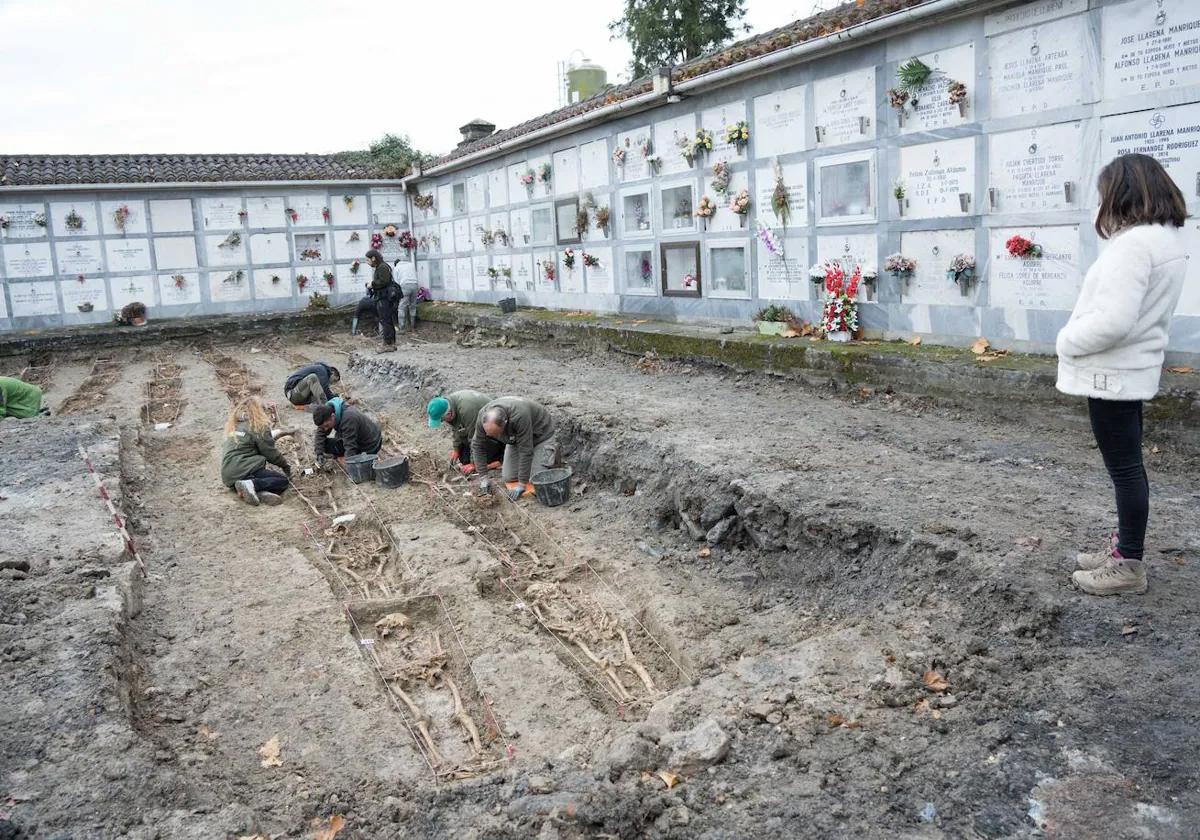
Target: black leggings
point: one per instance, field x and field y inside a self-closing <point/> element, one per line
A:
<point x="1117" y="426"/>
<point x="268" y="481"/>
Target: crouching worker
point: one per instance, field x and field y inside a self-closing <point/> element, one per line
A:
<point x="311" y="384"/>
<point x="461" y="411"/>
<point x="527" y="432"/>
<point x="249" y="447"/>
<point x="343" y="431"/>
<point x="20" y="399"/>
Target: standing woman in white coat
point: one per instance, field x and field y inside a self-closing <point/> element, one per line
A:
<point x="1111" y="350"/>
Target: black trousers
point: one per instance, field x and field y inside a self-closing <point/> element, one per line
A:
<point x="368" y="307"/>
<point x="268" y="481"/>
<point x="494" y="449"/>
<point x="1117" y="426"/>
<point x="389" y="313"/>
<point x="335" y="447"/>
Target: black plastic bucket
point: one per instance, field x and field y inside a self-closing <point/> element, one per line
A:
<point x="360" y="467"/>
<point x="392" y="472"/>
<point x="508" y="305"/>
<point x="552" y="487"/>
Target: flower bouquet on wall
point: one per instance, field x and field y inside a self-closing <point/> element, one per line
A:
<point x="603" y="218"/>
<point x="590" y="260"/>
<point x="423" y="202"/>
<point x="839" y="316"/>
<point x="739" y="135"/>
<point x="721" y="177"/>
<point x="569" y="259"/>
<point x="407" y="240"/>
<point x="4" y="221"/>
<point x="329" y="279"/>
<point x="73" y="221"/>
<point x="900" y="267"/>
<point x="549" y="270"/>
<point x="703" y="144"/>
<point x="962" y="272"/>
<point x="705" y="210"/>
<point x="528" y="179"/>
<point x="1026" y="249"/>
<point x="687" y="150"/>
<point x="618" y="157"/>
<point x="740" y="204"/>
<point x="545" y="175"/>
<point x="121" y="216"/>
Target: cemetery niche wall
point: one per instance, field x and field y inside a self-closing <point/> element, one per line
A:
<point x="1021" y="106"/>
<point x="76" y="253"/>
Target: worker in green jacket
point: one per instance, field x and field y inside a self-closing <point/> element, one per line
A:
<point x="20" y="399"/>
<point x="343" y="431"/>
<point x="460" y="410"/>
<point x="249" y="446"/>
<point x="527" y="431"/>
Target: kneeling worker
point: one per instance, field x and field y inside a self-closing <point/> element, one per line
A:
<point x="461" y="410"/>
<point x="311" y="384"/>
<point x="249" y="447"/>
<point x="355" y="432"/>
<point x="20" y="399"/>
<point x="527" y="432"/>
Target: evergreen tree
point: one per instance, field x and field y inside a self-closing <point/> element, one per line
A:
<point x="674" y="31"/>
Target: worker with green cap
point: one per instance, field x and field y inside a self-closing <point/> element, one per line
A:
<point x="20" y="399"/>
<point x="460" y="410"/>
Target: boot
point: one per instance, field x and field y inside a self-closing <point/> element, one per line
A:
<point x="354" y="325"/>
<point x="245" y="491"/>
<point x="1118" y="577"/>
<point x="270" y="498"/>
<point x="1089" y="561"/>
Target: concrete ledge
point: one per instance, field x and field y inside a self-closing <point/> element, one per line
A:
<point x="947" y="371"/>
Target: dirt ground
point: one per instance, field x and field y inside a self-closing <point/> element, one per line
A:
<point x="768" y="610"/>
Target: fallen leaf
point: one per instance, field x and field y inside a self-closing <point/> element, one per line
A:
<point x="208" y="733"/>
<point x="834" y="719"/>
<point x="921" y="707"/>
<point x="336" y="824"/>
<point x="1181" y="370"/>
<point x="1129" y="629"/>
<point x="669" y="778"/>
<point x="1179" y="561"/>
<point x="915" y="341"/>
<point x="270" y="753"/>
<point x="704" y="552"/>
<point x="981" y="345"/>
<point x="935" y="682"/>
<point x="1154" y="450"/>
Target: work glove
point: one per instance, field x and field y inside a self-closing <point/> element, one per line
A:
<point x="515" y="493"/>
<point x="454" y="459"/>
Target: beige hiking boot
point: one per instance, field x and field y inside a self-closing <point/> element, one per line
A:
<point x="1117" y="577"/>
<point x="1089" y="561"/>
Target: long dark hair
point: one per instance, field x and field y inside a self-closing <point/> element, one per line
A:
<point x="1136" y="190"/>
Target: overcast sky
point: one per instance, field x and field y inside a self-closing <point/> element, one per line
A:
<point x="105" y="76"/>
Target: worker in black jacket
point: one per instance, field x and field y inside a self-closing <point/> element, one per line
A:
<point x="311" y="384"/>
<point x="383" y="295"/>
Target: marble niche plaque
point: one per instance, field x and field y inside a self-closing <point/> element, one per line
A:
<point x="497" y="222"/>
<point x="464" y="272"/>
<point x="1150" y="46"/>
<point x="446" y="233"/>
<point x="221" y="212"/>
<point x="28" y="259"/>
<point x="76" y="293"/>
<point x="517" y="192"/>
<point x="1038" y="68"/>
<point x="234" y="284"/>
<point x="779" y="123"/>
<point x="445" y="201"/>
<point x="520" y="230"/>
<point x="79" y="257"/>
<point x="500" y="263"/>
<point x="635" y="166"/>
<point x="784" y="274"/>
<point x="450" y="274"/>
<point x="716" y="120"/>
<point x="570" y="280"/>
<point x="566" y="171"/>
<point x="268" y="248"/>
<point x="347" y="244"/>
<point x="20" y="220"/>
<point x="127" y="254"/>
<point x="266" y="211"/>
<point x="861" y="249"/>
<point x="226" y="249"/>
<point x="476" y="193"/>
<point x="939" y="178"/>
<point x="1050" y="282"/>
<point x="845" y="108"/>
<point x="134" y="215"/>
<point x="60" y="211"/>
<point x="30" y="299"/>
<point x="1169" y="135"/>
<point x="933" y="250"/>
<point x="540" y="259"/>
<point x="599" y="278"/>
<point x="172" y="215"/>
<point x="667" y="135"/>
<point x="795" y="179"/>
<point x="354" y="213"/>
<point x="725" y="220"/>
<point x="934" y="109"/>
<point x="593" y="164"/>
<point x="479" y="224"/>
<point x="175" y="252"/>
<point x="308" y="209"/>
<point x="1027" y="14"/>
<point x="497" y="188"/>
<point x="481" y="280"/>
<point x="523" y="277"/>
<point x="1035" y="169"/>
<point x="272" y="283"/>
<point x="1189" y="301"/>
<point x="128" y="289"/>
<point x="462" y="237"/>
<point x="3" y="304"/>
<point x="175" y="292"/>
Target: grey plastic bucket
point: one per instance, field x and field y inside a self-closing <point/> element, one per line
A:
<point x="391" y="472"/>
<point x="360" y="467"/>
<point x="552" y="487"/>
<point x="508" y="305"/>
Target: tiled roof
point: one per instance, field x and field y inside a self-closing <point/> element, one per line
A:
<point x="27" y="170"/>
<point x="824" y="23"/>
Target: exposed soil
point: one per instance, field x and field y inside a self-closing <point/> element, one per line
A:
<point x="769" y="610"/>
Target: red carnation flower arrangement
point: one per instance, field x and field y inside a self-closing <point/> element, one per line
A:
<point x="1019" y="246"/>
